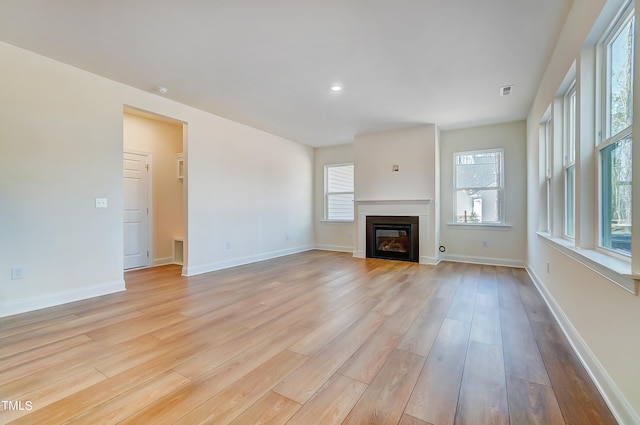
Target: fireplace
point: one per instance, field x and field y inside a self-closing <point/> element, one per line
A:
<point x="392" y="237"/>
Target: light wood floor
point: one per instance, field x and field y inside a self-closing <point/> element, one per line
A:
<point x="313" y="338"/>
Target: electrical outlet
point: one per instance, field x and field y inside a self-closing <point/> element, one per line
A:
<point x="17" y="273"/>
<point x="485" y="244"/>
<point x="101" y="202"/>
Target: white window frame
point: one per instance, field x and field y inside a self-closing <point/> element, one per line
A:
<point x="499" y="189"/>
<point x="328" y="194"/>
<point x="569" y="155"/>
<point x="545" y="170"/>
<point x="605" y="139"/>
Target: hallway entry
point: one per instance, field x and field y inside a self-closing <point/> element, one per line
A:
<point x="153" y="166"/>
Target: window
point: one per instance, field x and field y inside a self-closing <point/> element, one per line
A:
<point x="570" y="162"/>
<point x="479" y="187"/>
<point x="339" y="192"/>
<point x="546" y="139"/>
<point x="616" y="147"/>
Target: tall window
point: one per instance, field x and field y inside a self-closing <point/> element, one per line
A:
<point x="615" y="148"/>
<point x="570" y="162"/>
<point x="545" y="134"/>
<point x="339" y="192"/>
<point x="479" y="186"/>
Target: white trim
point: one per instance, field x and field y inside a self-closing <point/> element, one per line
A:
<point x="620" y="407"/>
<point x="57" y="298"/>
<point x="163" y="261"/>
<point x="337" y="248"/>
<point x="392" y="201"/>
<point x="192" y="271"/>
<point x="485" y="226"/>
<point x="505" y="262"/>
<point x="429" y="261"/>
<point x="337" y="221"/>
<point x="616" y="270"/>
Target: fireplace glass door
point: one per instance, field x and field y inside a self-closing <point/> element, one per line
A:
<point x="393" y="238"/>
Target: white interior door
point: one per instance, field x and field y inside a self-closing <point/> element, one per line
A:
<point x="136" y="210"/>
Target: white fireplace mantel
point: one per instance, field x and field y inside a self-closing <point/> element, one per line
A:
<point x="396" y="207"/>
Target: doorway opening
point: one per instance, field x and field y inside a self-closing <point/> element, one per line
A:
<point x="155" y="209"/>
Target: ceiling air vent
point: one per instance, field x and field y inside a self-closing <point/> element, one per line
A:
<point x="505" y="91"/>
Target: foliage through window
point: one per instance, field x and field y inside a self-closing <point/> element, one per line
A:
<point x="339" y="192"/>
<point x="479" y="186"/>
<point x="616" y="149"/>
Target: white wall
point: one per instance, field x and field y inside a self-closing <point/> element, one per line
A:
<point x="599" y="317"/>
<point x="61" y="144"/>
<point x="330" y="235"/>
<point x="412" y="149"/>
<point x="163" y="139"/>
<point x="504" y="244"/>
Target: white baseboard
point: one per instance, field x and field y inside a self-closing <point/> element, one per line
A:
<point x="505" y="262"/>
<point x="620" y="407"/>
<point x="49" y="300"/>
<point x="431" y="261"/>
<point x="336" y="248"/>
<point x="163" y="261"/>
<point x="196" y="270"/>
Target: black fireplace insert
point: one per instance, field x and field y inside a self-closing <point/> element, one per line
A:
<point x="392" y="238"/>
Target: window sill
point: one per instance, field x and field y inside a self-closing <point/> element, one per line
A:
<point x="481" y="225"/>
<point x="616" y="270"/>
<point x="337" y="221"/>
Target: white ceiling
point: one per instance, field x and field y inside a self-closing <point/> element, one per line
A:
<point x="269" y="64"/>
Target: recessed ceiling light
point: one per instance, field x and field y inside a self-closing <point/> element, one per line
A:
<point x="336" y="87"/>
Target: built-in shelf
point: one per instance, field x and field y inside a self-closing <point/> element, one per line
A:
<point x="178" y="251"/>
<point x="180" y="165"/>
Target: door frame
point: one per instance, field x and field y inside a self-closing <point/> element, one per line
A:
<point x="149" y="156"/>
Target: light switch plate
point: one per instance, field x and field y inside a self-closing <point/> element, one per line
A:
<point x="101" y="202"/>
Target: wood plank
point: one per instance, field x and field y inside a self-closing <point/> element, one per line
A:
<point x="487" y="280"/>
<point x="386" y="397"/>
<point x="464" y="300"/>
<point x="535" y="305"/>
<point x="44" y="394"/>
<point x="304" y="382"/>
<point x="372" y="355"/>
<point x="205" y="386"/>
<point x="485" y="327"/>
<point x="117" y="408"/>
<point x="424" y="330"/>
<point x="272" y="409"/>
<point x="410" y="420"/>
<point x="86" y="399"/>
<point x="521" y="354"/>
<point x="483" y="394"/>
<point x="238" y="397"/>
<point x="435" y="396"/>
<point x="331" y="404"/>
<point x="533" y="404"/>
<point x="577" y="396"/>
<point x="43" y="352"/>
<point x="314" y="341"/>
